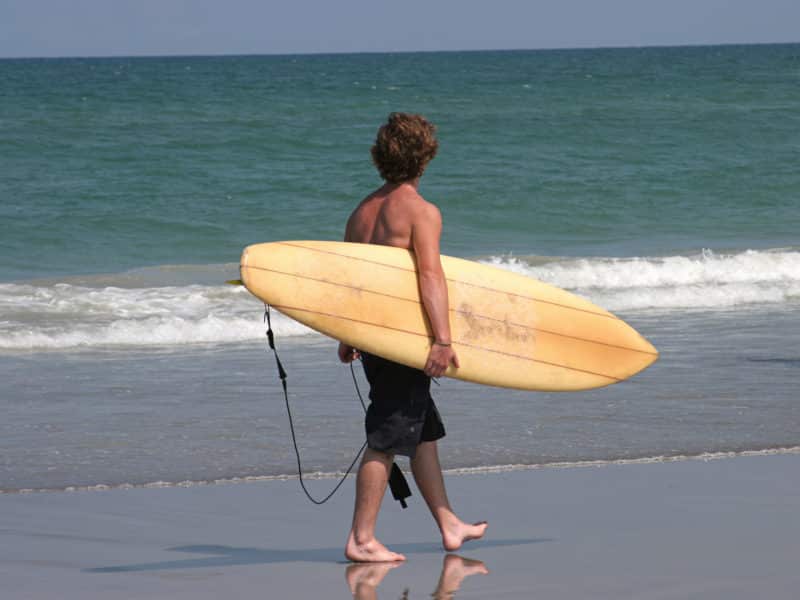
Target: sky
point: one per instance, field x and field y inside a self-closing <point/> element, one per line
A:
<point x="39" y="28"/>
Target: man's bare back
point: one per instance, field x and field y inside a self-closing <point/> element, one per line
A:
<point x="387" y="216"/>
<point x="396" y="215"/>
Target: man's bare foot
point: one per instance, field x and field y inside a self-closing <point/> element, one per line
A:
<point x="458" y="533"/>
<point x="363" y="578"/>
<point x="454" y="570"/>
<point x="370" y="551"/>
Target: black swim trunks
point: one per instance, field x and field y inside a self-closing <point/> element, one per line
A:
<point x="402" y="413"/>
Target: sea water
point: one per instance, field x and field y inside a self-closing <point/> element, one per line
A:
<point x="660" y="183"/>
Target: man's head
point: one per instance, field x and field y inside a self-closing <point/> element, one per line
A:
<point x="404" y="146"/>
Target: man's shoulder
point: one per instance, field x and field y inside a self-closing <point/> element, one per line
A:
<point x="427" y="211"/>
<point x="418" y="205"/>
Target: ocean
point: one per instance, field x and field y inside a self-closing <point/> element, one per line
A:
<point x="660" y="183"/>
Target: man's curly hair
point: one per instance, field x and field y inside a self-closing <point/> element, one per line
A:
<point x="404" y="146"/>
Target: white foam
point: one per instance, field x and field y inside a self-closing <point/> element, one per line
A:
<point x="88" y="312"/>
<point x="647" y="460"/>
<point x="67" y="316"/>
<point x="703" y="281"/>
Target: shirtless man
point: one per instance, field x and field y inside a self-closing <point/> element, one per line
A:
<point x="402" y="418"/>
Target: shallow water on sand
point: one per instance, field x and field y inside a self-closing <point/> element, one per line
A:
<point x="724" y="383"/>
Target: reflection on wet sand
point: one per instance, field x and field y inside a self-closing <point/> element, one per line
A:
<point x="364" y="578"/>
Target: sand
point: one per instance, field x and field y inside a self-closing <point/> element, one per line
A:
<point x="726" y="528"/>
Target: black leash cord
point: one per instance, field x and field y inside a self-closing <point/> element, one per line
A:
<point x="282" y="375"/>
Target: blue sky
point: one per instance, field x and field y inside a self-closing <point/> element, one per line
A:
<point x="157" y="27"/>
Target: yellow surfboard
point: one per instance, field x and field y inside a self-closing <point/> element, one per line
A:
<point x="507" y="329"/>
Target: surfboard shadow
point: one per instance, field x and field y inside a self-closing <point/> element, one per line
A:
<point x="229" y="556"/>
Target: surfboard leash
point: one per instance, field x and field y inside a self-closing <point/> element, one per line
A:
<point x="397" y="481"/>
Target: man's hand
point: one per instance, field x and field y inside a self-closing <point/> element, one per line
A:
<point x="347" y="354"/>
<point x="439" y="358"/>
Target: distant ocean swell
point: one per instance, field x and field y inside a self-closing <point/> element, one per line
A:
<point x="54" y="316"/>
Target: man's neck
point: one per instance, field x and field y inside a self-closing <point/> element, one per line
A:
<point x="413" y="183"/>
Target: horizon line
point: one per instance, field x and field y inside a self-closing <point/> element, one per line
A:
<point x="393" y="52"/>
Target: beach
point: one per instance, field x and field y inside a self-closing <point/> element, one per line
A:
<point x="724" y="528"/>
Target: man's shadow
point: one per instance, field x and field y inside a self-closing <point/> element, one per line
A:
<point x="228" y="556"/>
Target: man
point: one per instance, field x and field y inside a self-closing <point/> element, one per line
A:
<point x="402" y="418"/>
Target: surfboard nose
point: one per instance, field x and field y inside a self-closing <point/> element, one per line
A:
<point x="646" y="353"/>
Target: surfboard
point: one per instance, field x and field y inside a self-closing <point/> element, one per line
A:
<point x="508" y="330"/>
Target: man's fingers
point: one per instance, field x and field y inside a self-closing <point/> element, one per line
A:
<point x="439" y="361"/>
<point x="347" y="354"/>
<point x="433" y="369"/>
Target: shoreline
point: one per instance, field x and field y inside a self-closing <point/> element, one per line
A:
<point x="457" y="471"/>
<point x="721" y="528"/>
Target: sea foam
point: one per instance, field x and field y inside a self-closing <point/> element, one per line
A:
<point x="707" y="280"/>
<point x="61" y="315"/>
<point x="67" y="316"/>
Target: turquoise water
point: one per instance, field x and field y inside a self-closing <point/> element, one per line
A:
<point x="661" y="183"/>
<point x="117" y="163"/>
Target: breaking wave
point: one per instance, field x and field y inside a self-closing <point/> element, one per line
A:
<point x="707" y="280"/>
<point x="137" y="309"/>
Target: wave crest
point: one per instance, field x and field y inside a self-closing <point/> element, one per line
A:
<point x="64" y="316"/>
<point x="132" y="309"/>
<point x="703" y="281"/>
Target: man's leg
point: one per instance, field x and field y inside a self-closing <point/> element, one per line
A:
<point x="428" y="475"/>
<point x="373" y="474"/>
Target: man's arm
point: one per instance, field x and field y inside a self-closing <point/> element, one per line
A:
<point x="425" y="237"/>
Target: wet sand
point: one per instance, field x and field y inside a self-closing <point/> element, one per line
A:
<point x="693" y="529"/>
